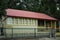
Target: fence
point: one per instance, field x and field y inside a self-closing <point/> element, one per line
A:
<point x="28" y="32"/>
<point x="20" y="32"/>
<point x="57" y="32"/>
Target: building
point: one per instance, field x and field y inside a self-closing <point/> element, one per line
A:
<point x="20" y="22"/>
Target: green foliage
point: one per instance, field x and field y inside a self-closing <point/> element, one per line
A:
<point x="45" y="6"/>
<point x="3" y="6"/>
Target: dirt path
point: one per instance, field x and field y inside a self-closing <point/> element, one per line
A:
<point x="35" y="39"/>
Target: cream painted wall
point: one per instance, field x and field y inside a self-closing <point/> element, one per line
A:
<point x="22" y="26"/>
<point x="26" y="26"/>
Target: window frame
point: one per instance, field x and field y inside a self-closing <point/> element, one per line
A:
<point x="9" y="20"/>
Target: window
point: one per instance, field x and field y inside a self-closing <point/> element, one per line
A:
<point x="9" y="20"/>
<point x="25" y="21"/>
<point x="20" y="21"/>
<point x="28" y="21"/>
<point x="31" y="22"/>
<point x="15" y="20"/>
<point x="40" y="22"/>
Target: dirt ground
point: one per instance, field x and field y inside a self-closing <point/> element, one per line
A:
<point x="42" y="39"/>
<point x="34" y="39"/>
<point x="57" y="38"/>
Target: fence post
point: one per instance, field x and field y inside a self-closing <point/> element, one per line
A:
<point x="12" y="33"/>
<point x="35" y="32"/>
<point x="55" y="33"/>
<point x="50" y="33"/>
<point x="5" y="33"/>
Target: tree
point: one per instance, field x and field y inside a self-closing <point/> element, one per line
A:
<point x="3" y="6"/>
<point x="44" y="6"/>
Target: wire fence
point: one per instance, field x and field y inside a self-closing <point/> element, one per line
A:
<point x="29" y="32"/>
<point x="26" y="32"/>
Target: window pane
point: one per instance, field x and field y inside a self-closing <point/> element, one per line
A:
<point x="28" y="21"/>
<point x="24" y="21"/>
<point x="20" y="21"/>
<point x="9" y="20"/>
<point x="15" y="20"/>
<point x="31" y="22"/>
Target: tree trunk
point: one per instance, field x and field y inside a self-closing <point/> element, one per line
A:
<point x="1" y="28"/>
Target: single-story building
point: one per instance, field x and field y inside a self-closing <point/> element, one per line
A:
<point x="20" y="21"/>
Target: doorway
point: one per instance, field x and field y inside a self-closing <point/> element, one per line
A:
<point x="57" y="26"/>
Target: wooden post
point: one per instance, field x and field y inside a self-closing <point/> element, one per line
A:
<point x="51" y="29"/>
<point x="44" y="23"/>
<point x="55" y="28"/>
<point x="55" y="24"/>
<point x="12" y="32"/>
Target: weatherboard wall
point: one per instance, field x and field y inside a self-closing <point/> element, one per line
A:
<point x="20" y="25"/>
